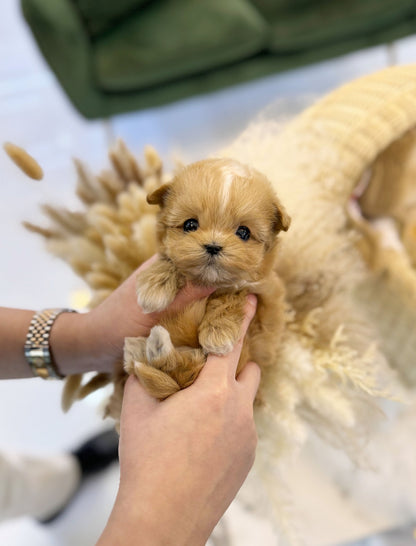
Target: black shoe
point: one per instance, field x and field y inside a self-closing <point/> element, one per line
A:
<point x="93" y="456"/>
<point x="97" y="453"/>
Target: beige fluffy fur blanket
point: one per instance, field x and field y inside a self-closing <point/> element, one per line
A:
<point x="350" y="281"/>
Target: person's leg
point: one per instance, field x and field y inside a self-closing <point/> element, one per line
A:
<point x="42" y="487"/>
<point x="36" y="486"/>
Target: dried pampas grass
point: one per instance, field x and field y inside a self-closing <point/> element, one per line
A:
<point x="341" y="350"/>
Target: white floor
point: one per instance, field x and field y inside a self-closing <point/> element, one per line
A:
<point x="35" y="114"/>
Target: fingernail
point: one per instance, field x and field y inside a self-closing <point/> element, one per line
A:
<point x="252" y="300"/>
<point x="207" y="290"/>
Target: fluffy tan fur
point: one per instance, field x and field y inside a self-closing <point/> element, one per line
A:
<point x="217" y="226"/>
<point x="342" y="321"/>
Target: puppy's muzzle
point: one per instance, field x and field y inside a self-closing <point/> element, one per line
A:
<point x="213" y="249"/>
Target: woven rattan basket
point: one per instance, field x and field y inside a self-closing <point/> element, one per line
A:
<point x="365" y="129"/>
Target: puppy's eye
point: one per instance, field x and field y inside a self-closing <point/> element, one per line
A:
<point x="243" y="232"/>
<point x="190" y="225"/>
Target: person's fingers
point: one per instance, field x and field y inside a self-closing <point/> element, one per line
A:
<point x="185" y="296"/>
<point x="147" y="263"/>
<point x="249" y="312"/>
<point x="188" y="294"/>
<point x="227" y="364"/>
<point x="249" y="379"/>
<point x="136" y="400"/>
<point x="131" y="281"/>
<point x="141" y="323"/>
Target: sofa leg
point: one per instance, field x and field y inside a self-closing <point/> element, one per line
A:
<point x="391" y="52"/>
<point x="109" y="131"/>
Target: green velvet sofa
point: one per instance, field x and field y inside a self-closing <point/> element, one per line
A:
<point x="112" y="56"/>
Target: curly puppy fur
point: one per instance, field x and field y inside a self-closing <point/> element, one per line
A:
<point x="218" y="226"/>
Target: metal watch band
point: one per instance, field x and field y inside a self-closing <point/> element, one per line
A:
<point x="37" y="348"/>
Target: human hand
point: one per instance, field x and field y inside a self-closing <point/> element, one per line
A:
<point x="93" y="341"/>
<point x="183" y="460"/>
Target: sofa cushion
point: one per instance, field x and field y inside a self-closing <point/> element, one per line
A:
<point x="327" y="22"/>
<point x="99" y="15"/>
<point x="272" y="8"/>
<point x="176" y="38"/>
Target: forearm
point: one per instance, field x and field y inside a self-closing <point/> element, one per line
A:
<point x="183" y="460"/>
<point x="70" y="345"/>
<point x="14" y="324"/>
<point x="83" y="342"/>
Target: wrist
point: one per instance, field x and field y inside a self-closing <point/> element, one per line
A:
<point x="162" y="511"/>
<point x="73" y="346"/>
<point x="136" y="519"/>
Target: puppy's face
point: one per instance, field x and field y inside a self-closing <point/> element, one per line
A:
<point x="219" y="222"/>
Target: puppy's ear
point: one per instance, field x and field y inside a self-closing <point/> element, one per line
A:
<point x="281" y="218"/>
<point x="158" y="197"/>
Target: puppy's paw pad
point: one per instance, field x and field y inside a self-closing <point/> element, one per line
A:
<point x="159" y="344"/>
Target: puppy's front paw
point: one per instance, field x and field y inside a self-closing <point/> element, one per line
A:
<point x="158" y="346"/>
<point x="161" y="368"/>
<point x="157" y="286"/>
<point x="152" y="297"/>
<point x="218" y="340"/>
<point x="150" y="359"/>
<point x="158" y="384"/>
<point x="134" y="351"/>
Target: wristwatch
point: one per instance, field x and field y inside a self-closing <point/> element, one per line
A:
<point x="37" y="347"/>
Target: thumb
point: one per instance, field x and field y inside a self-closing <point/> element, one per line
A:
<point x="137" y="402"/>
<point x="188" y="294"/>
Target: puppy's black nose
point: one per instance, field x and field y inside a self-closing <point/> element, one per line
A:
<point x="213" y="250"/>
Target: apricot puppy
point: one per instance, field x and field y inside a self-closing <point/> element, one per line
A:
<point x="217" y="226"/>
